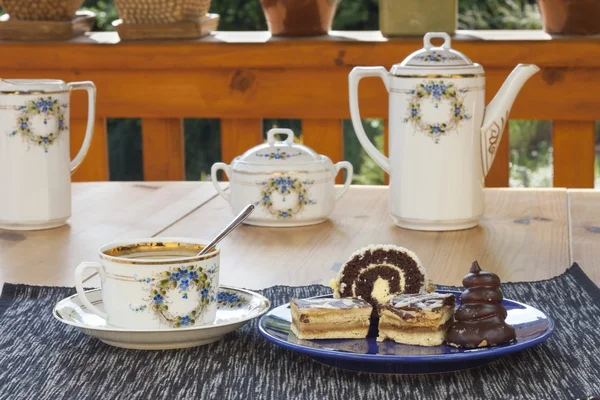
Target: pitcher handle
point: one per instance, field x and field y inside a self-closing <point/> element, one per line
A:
<point x="349" y="172"/>
<point x="79" y="285"/>
<point x="89" y="132"/>
<point x="355" y="76"/>
<point x="213" y="177"/>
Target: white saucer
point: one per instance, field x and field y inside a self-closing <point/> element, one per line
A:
<point x="236" y="307"/>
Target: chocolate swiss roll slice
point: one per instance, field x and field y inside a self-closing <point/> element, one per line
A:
<point x="378" y="272"/>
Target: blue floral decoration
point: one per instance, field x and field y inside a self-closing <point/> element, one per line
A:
<point x="184" y="280"/>
<point x="230" y="299"/>
<point x="285" y="185"/>
<point x="435" y="57"/>
<point x="436" y="91"/>
<point x="45" y="107"/>
<point x="278" y="155"/>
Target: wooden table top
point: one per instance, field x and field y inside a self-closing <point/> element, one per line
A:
<point x="525" y="234"/>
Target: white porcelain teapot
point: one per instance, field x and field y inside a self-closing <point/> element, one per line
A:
<point x="35" y="163"/>
<point x="289" y="183"/>
<point x="442" y="138"/>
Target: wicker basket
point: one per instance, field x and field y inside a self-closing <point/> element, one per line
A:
<point x="41" y="10"/>
<point x="161" y="11"/>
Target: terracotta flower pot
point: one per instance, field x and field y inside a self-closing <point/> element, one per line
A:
<point x="41" y="10"/>
<point x="299" y="17"/>
<point x="570" y="16"/>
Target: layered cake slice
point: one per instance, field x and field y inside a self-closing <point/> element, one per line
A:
<point x="417" y="319"/>
<point x="376" y="273"/>
<point x="330" y="318"/>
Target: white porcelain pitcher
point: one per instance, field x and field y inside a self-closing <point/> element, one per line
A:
<point x="35" y="164"/>
<point x="442" y="138"/>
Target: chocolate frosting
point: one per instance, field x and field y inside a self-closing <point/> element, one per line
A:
<point x="482" y="293"/>
<point x="480" y="318"/>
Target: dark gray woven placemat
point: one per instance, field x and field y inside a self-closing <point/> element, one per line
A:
<point x="40" y="358"/>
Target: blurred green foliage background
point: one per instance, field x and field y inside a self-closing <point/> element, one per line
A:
<point x="530" y="141"/>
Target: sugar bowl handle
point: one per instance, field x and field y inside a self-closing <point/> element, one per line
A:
<point x="79" y="285"/>
<point x="349" y="173"/>
<point x="213" y="177"/>
<point x="289" y="140"/>
<point x="89" y="132"/>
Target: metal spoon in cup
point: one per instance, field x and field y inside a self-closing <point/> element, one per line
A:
<point x="234" y="224"/>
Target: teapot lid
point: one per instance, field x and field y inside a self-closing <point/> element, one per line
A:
<point x="26" y="86"/>
<point x="279" y="153"/>
<point x="431" y="59"/>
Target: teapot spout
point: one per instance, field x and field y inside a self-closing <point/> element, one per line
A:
<point x="496" y="113"/>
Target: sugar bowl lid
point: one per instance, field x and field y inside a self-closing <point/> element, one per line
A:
<point x="26" y="86"/>
<point x="435" y="59"/>
<point x="279" y="153"/>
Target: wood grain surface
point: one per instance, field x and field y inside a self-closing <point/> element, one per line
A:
<point x="163" y="145"/>
<point x="574" y="153"/>
<point x="306" y="93"/>
<point x="102" y="213"/>
<point x="584" y="206"/>
<point x="522" y="237"/>
<point x="103" y="50"/>
<point x="239" y="135"/>
<point x="94" y="166"/>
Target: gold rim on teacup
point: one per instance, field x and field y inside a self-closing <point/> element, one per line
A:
<point x="119" y="252"/>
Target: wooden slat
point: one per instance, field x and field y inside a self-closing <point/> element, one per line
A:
<point x="258" y="49"/>
<point x="325" y="136"/>
<point x="163" y="149"/>
<point x="573" y="153"/>
<point x="522" y="237"/>
<point x="567" y="94"/>
<point x="499" y="173"/>
<point x="95" y="164"/>
<point x="238" y="135"/>
<point x="103" y="212"/>
<point x="585" y="231"/>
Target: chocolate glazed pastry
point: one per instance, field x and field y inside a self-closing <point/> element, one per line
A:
<point x="479" y="320"/>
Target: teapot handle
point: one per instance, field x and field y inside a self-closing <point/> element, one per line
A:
<point x="355" y="76"/>
<point x="89" y="132"/>
<point x="289" y="140"/>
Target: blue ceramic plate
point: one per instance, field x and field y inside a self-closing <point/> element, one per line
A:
<point x="367" y="355"/>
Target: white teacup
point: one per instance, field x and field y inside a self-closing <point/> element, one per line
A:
<point x="155" y="283"/>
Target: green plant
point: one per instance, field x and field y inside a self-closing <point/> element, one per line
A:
<point x="366" y="172"/>
<point x="499" y="14"/>
<point x="530" y="153"/>
<point x="105" y="11"/>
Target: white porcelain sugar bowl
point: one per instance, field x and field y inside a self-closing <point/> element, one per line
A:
<point x="289" y="183"/>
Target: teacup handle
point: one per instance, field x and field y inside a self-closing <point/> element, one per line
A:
<point x="79" y="285"/>
<point x="349" y="172"/>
